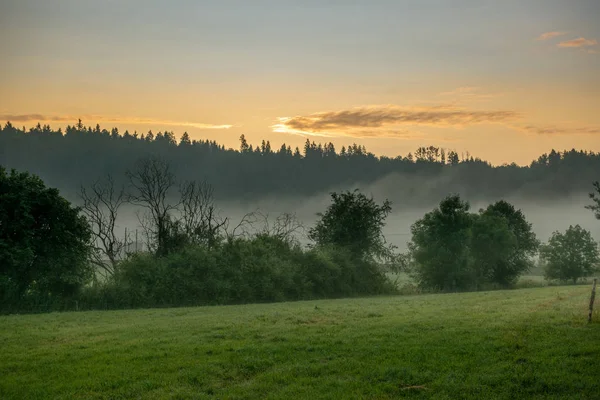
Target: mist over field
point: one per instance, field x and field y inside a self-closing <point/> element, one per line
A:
<point x="546" y="215"/>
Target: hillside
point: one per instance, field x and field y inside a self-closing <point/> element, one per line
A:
<point x="81" y="155"/>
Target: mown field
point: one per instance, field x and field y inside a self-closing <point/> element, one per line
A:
<point x="528" y="343"/>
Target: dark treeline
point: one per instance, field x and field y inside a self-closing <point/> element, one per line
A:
<point x="55" y="256"/>
<point x="80" y="154"/>
<point x="52" y="252"/>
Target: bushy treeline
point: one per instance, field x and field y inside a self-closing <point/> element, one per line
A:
<point x="53" y="253"/>
<point x="454" y="249"/>
<point x="253" y="270"/>
<point x="66" y="159"/>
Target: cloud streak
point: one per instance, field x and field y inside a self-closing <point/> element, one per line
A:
<point x="469" y="93"/>
<point x="388" y="120"/>
<point x="391" y="121"/>
<point x="579" y="42"/>
<point x="550" y="35"/>
<point x="104" y="119"/>
<point x="558" y="131"/>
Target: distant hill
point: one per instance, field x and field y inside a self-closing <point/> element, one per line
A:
<point x="80" y="155"/>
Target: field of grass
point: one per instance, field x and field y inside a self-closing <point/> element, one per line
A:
<point x="407" y="285"/>
<point x="529" y="343"/>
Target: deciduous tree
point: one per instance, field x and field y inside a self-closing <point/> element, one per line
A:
<point x="101" y="204"/>
<point x="595" y="196"/>
<point x="353" y="222"/>
<point x="439" y="246"/>
<point x="43" y="239"/>
<point x="570" y="255"/>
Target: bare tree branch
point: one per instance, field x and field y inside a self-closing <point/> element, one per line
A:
<point x="148" y="233"/>
<point x="152" y="180"/>
<point x="242" y="229"/>
<point x="286" y="227"/>
<point x="199" y="217"/>
<point x="101" y="203"/>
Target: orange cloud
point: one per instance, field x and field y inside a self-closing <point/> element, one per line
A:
<point x="556" y="130"/>
<point x="392" y="121"/>
<point x="379" y="121"/>
<point x="100" y="119"/>
<point x="579" y="42"/>
<point x="550" y="35"/>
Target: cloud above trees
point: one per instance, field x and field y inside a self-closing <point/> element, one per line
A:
<point x="392" y="121"/>
<point x="389" y="120"/>
<point x="104" y="119"/>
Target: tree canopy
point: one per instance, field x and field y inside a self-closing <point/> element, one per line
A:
<point x="44" y="241"/>
<point x="439" y="246"/>
<point x="570" y="255"/>
<point x="353" y="222"/>
<point x="453" y="249"/>
<point x="519" y="242"/>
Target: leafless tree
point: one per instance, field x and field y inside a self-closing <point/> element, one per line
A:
<point x="244" y="227"/>
<point x="101" y="203"/>
<point x="151" y="181"/>
<point x="148" y="230"/>
<point x="285" y="227"/>
<point x="199" y="216"/>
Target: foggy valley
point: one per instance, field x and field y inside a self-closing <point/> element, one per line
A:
<point x="279" y="199"/>
<point x="545" y="215"/>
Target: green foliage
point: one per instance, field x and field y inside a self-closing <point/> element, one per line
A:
<point x="43" y="242"/>
<point x="595" y="196"/>
<point x="453" y="249"/>
<point x="439" y="246"/>
<point x="570" y="255"/>
<point x="509" y="240"/>
<point x="492" y="242"/>
<point x="353" y="222"/>
<point x="196" y="265"/>
<point x="263" y="268"/>
<point x="527" y="243"/>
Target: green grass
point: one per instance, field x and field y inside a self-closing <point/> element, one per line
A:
<point x="406" y="284"/>
<point x="529" y="343"/>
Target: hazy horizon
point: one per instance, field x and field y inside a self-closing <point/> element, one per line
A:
<point x="506" y="81"/>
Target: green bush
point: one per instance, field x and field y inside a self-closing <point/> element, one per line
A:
<point x="260" y="269"/>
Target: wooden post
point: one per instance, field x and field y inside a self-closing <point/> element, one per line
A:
<point x="592" y="300"/>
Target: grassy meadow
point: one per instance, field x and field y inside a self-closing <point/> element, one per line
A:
<point x="528" y="343"/>
<point x="406" y="284"/>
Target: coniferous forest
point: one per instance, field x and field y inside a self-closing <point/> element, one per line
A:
<point x="80" y="154"/>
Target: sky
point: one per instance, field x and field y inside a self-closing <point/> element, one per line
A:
<point x="504" y="80"/>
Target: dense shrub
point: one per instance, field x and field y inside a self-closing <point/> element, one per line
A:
<point x="260" y="269"/>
